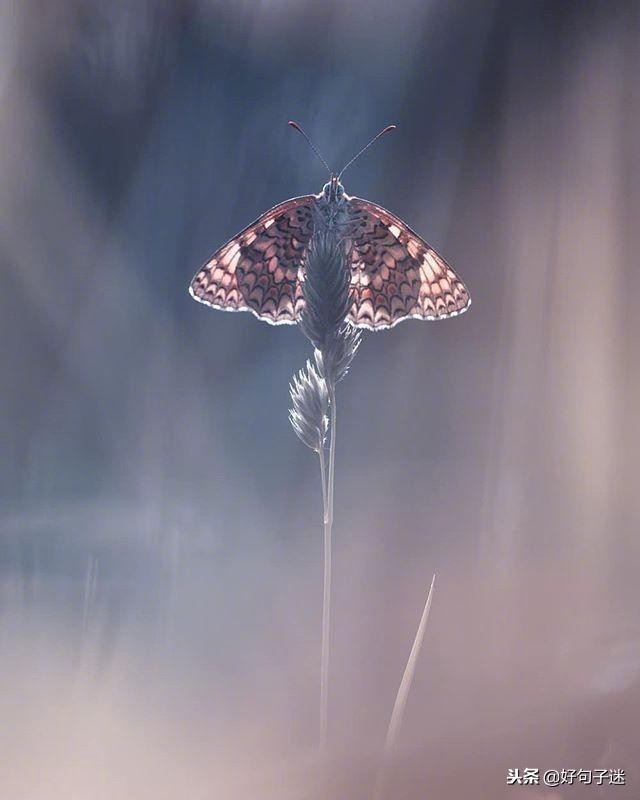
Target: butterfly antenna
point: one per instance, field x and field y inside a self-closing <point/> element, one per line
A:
<point x="366" y="147"/>
<point x="311" y="144"/>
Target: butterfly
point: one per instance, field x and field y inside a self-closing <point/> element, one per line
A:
<point x="395" y="274"/>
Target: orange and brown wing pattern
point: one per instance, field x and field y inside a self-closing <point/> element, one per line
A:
<point x="396" y="275"/>
<point x="257" y="270"/>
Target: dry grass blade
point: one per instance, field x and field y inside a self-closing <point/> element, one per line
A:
<point x="401" y="698"/>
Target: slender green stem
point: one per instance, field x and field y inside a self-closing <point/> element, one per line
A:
<point x="328" y="481"/>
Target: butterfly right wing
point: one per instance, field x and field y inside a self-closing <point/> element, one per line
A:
<point x="395" y="274"/>
<point x="257" y="270"/>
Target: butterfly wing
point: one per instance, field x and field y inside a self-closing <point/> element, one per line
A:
<point x="396" y="275"/>
<point x="257" y="270"/>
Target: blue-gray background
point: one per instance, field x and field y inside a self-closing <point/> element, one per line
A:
<point x="160" y="524"/>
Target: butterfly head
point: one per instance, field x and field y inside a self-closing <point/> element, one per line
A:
<point x="333" y="191"/>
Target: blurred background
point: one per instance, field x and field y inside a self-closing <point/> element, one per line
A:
<point x="160" y="524"/>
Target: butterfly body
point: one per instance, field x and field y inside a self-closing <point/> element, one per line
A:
<point x="331" y="207"/>
<point x="395" y="275"/>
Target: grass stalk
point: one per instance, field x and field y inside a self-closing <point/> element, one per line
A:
<point x="326" y="289"/>
<point x="328" y="484"/>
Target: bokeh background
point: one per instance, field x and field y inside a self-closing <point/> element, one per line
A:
<point x="160" y="524"/>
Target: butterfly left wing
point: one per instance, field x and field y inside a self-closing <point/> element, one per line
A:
<point x="395" y="274"/>
<point x="257" y="270"/>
